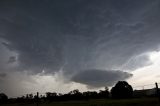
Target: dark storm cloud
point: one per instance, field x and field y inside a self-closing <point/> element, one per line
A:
<point x="12" y="59"/>
<point x="80" y="34"/>
<point x="100" y="78"/>
<point x="2" y="75"/>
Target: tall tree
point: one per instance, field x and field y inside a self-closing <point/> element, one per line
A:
<point x="122" y="90"/>
<point x="3" y="98"/>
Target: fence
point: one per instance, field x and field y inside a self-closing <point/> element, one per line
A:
<point x="147" y="86"/>
<point x="147" y="90"/>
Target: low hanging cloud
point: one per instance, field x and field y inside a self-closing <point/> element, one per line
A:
<point x="100" y="78"/>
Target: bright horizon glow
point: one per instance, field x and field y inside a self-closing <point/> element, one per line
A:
<point x="147" y="75"/>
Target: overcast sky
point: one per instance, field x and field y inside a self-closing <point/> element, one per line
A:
<point x="51" y="45"/>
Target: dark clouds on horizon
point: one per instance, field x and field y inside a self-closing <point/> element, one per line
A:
<point x="80" y="35"/>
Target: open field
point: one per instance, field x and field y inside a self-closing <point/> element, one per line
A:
<point x="100" y="102"/>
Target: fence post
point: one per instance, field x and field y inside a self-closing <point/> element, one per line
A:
<point x="37" y="98"/>
<point x="157" y="91"/>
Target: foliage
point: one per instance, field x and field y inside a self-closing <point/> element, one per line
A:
<point x="3" y="98"/>
<point x="122" y="90"/>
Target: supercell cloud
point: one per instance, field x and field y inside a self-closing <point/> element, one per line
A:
<point x="74" y="36"/>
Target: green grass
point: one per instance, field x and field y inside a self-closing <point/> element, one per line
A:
<point x="100" y="102"/>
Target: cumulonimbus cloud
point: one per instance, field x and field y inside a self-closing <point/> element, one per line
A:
<point x="80" y="35"/>
<point x="100" y="78"/>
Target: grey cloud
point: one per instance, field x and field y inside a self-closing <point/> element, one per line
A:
<point x="12" y="59"/>
<point x="79" y="34"/>
<point x="136" y="62"/>
<point x="2" y="75"/>
<point x="17" y="83"/>
<point x="100" y="78"/>
<point x="7" y="58"/>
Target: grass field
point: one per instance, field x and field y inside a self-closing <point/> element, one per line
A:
<point x="100" y="102"/>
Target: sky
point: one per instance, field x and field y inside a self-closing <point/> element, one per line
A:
<point x="61" y="45"/>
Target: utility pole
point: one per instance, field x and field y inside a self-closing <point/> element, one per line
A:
<point x="157" y="91"/>
<point x="37" y="99"/>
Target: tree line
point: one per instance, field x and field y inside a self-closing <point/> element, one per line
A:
<point x="121" y="90"/>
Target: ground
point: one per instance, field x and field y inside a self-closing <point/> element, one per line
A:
<point x="100" y="102"/>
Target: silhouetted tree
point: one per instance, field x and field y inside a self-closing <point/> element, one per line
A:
<point x="75" y="95"/>
<point x="122" y="90"/>
<point x="3" y="98"/>
<point x="51" y="96"/>
<point x="90" y="95"/>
